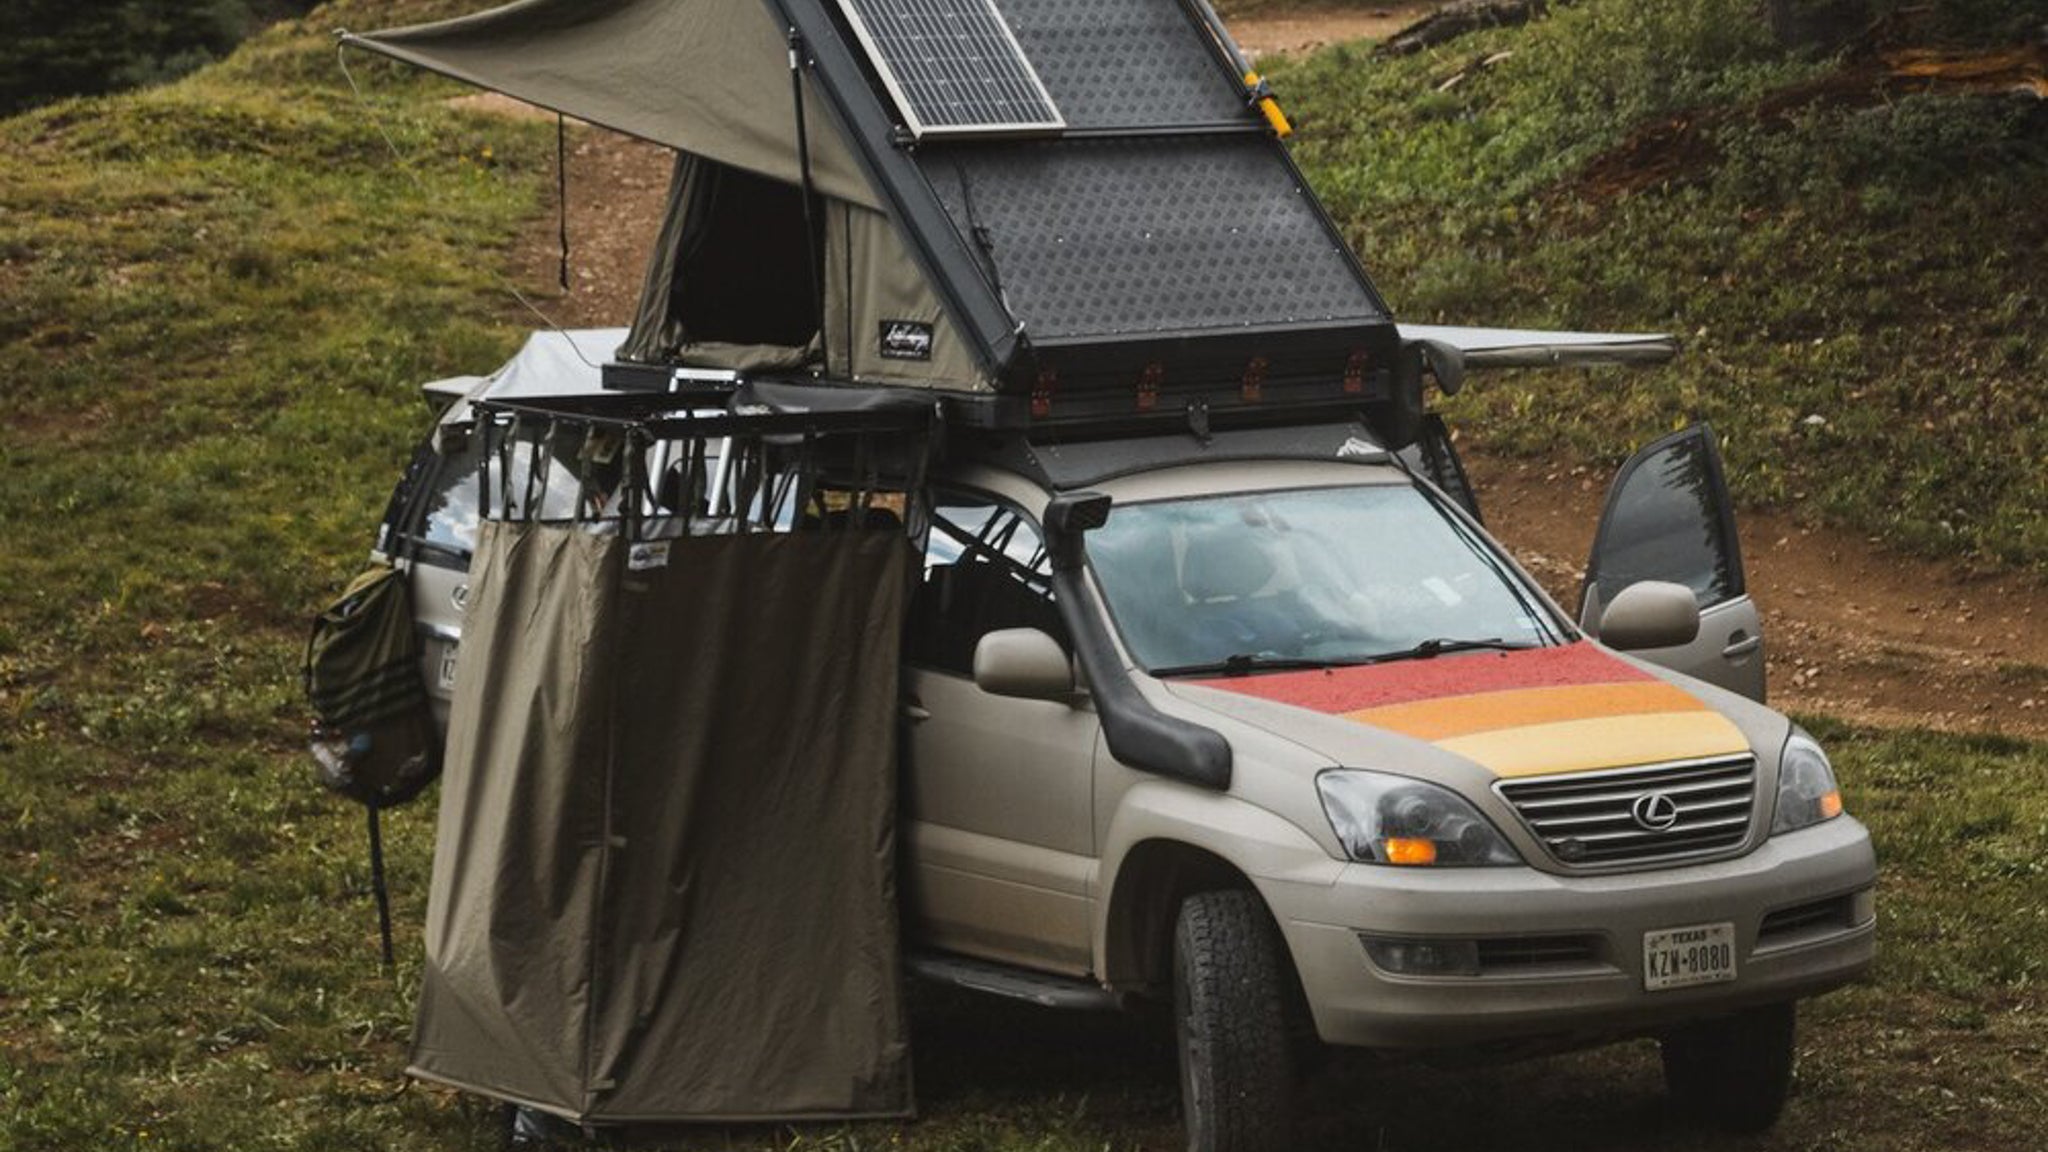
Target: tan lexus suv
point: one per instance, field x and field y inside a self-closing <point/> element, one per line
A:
<point x="1264" y="725"/>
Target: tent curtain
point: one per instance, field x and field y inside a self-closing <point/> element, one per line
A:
<point x="664" y="883"/>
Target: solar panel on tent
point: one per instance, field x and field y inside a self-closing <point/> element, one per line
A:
<point x="953" y="67"/>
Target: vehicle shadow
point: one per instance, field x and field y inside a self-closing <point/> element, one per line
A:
<point x="1109" y="1080"/>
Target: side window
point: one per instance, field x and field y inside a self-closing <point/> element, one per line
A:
<point x="985" y="569"/>
<point x="391" y="530"/>
<point x="1668" y="517"/>
<point x="1434" y="456"/>
<point x="442" y="522"/>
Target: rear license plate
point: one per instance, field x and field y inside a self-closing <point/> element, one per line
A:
<point x="1683" y="957"/>
<point x="446" y="679"/>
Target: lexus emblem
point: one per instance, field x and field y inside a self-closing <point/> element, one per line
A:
<point x="1654" y="812"/>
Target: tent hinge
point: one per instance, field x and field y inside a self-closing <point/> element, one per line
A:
<point x="1198" y="420"/>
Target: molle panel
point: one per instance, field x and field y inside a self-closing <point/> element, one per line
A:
<point x="1127" y="238"/>
<point x="1125" y="63"/>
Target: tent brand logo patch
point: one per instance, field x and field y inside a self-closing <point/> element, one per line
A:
<point x="905" y="340"/>
<point x="1357" y="447"/>
<point x="651" y="554"/>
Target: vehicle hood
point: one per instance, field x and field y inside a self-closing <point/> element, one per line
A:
<point x="1533" y="712"/>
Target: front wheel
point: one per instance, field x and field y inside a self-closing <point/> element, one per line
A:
<point x="1733" y="1073"/>
<point x="1229" y="997"/>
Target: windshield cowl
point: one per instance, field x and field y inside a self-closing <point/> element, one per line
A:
<point x="1246" y="664"/>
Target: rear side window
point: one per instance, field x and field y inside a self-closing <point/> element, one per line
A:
<point x="985" y="569"/>
<point x="440" y="526"/>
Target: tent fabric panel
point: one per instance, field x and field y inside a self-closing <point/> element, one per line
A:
<point x="703" y="76"/>
<point x="512" y="906"/>
<point x="656" y="333"/>
<point x="873" y="286"/>
<point x="664" y="879"/>
<point x="751" y="968"/>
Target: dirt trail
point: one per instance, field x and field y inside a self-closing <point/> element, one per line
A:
<point x="1309" y="28"/>
<point x="1852" y="630"/>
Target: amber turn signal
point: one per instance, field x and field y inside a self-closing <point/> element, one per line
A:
<point x="1409" y="850"/>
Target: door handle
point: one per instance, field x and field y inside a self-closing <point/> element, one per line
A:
<point x="1740" y="645"/>
<point x="916" y="713"/>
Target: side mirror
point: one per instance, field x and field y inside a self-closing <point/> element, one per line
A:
<point x="1651" y="614"/>
<point x="1023" y="662"/>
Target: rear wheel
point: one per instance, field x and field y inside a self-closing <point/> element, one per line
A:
<point x="1733" y="1073"/>
<point x="1229" y="999"/>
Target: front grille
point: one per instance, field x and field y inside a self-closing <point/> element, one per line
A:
<point x="1587" y="819"/>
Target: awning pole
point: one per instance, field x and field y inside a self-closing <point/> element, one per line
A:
<point x="377" y="888"/>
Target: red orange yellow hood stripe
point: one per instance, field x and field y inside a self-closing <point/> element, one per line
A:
<point x="1523" y="713"/>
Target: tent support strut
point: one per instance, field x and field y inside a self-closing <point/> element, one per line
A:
<point x="803" y="163"/>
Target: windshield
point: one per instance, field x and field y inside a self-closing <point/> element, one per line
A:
<point x="1321" y="575"/>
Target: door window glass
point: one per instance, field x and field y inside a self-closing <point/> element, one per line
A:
<point x="985" y="569"/>
<point x="1668" y="518"/>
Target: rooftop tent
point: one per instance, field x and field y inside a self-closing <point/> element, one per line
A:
<point x="1126" y="236"/>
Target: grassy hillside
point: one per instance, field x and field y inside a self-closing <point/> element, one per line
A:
<point x="1830" y="241"/>
<point x="216" y="300"/>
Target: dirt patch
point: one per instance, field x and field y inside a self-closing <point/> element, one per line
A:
<point x="1851" y="630"/>
<point x="618" y="187"/>
<point x="1306" y="30"/>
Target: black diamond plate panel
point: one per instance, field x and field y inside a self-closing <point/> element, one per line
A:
<point x="1123" y="237"/>
<point x="1124" y="63"/>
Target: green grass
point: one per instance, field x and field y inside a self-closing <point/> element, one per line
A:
<point x="1873" y="260"/>
<point x="217" y="299"/>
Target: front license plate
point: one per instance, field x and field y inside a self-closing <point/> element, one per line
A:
<point x="1683" y="957"/>
<point x="447" y="676"/>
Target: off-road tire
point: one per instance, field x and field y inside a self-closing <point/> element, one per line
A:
<point x="1229" y="1014"/>
<point x="1733" y="1073"/>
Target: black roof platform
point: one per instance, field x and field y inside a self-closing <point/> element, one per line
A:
<point x="1160" y="246"/>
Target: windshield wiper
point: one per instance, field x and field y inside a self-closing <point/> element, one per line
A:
<point x="1438" y="646"/>
<point x="1245" y="663"/>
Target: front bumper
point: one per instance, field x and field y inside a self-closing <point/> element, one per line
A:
<point x="1569" y="949"/>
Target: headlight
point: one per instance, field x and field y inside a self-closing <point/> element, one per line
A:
<point x="1806" y="785"/>
<point x="1394" y="820"/>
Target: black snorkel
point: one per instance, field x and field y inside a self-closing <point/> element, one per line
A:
<point x="1138" y="733"/>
